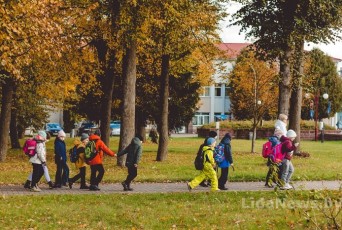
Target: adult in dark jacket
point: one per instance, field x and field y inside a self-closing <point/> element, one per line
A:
<point x="134" y="152"/>
<point x="228" y="161"/>
<point x="62" y="172"/>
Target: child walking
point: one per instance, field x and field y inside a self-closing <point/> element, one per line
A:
<point x="209" y="167"/>
<point x="134" y="152"/>
<point x="80" y="163"/>
<point x="62" y="172"/>
<point x="288" y="147"/>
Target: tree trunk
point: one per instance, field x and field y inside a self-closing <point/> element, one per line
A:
<point x="13" y="130"/>
<point x="296" y="95"/>
<point x="285" y="82"/>
<point x="140" y="126"/>
<point x="107" y="86"/>
<point x="14" y="134"/>
<point x="128" y="102"/>
<point x="5" y="116"/>
<point x="164" y="97"/>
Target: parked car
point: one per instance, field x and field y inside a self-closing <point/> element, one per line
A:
<point x="53" y="128"/>
<point x="115" y="128"/>
<point x="86" y="127"/>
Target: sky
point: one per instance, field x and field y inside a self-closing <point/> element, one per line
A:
<point x="231" y="35"/>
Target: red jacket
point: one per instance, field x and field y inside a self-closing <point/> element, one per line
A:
<point x="287" y="147"/>
<point x="102" y="148"/>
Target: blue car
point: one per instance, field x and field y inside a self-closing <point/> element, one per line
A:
<point x="53" y="128"/>
<point x="115" y="128"/>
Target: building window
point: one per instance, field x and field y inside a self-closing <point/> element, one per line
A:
<point x="200" y="119"/>
<point x="205" y="92"/>
<point x="218" y="91"/>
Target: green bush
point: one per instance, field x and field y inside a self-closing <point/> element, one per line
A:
<point x="247" y="124"/>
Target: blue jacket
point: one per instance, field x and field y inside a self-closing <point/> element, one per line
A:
<point x="60" y="150"/>
<point x="227" y="153"/>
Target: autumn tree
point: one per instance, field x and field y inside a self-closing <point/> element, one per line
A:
<point x="26" y="29"/>
<point x="178" y="29"/>
<point x="281" y="27"/>
<point x="254" y="84"/>
<point x="321" y="77"/>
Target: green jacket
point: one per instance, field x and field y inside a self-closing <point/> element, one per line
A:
<point x="133" y="151"/>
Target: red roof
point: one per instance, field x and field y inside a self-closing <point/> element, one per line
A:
<point x="232" y="49"/>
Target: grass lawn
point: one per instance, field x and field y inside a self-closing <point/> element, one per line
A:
<point x="243" y="210"/>
<point x="203" y="210"/>
<point x="324" y="163"/>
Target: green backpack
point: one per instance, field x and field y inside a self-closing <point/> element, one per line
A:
<point x="90" y="151"/>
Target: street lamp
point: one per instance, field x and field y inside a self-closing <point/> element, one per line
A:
<point x="325" y="96"/>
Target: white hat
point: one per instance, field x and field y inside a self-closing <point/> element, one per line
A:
<point x="61" y="133"/>
<point x="291" y="133"/>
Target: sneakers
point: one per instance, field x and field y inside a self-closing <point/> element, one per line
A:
<point x="27" y="184"/>
<point x="84" y="187"/>
<point x="286" y="186"/>
<point x="124" y="185"/>
<point x="189" y="187"/>
<point x="36" y="189"/>
<point x="70" y="184"/>
<point x="223" y="188"/>
<point x="94" y="188"/>
<point x="51" y="185"/>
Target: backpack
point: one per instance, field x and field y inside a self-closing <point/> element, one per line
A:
<point x="199" y="161"/>
<point x="30" y="147"/>
<point x="90" y="151"/>
<point x="267" y="148"/>
<point x="73" y="154"/>
<point x="277" y="156"/>
<point x="219" y="153"/>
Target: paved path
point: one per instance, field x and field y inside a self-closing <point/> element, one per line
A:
<point x="164" y="188"/>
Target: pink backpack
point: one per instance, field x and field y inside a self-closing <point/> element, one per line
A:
<point x="267" y="149"/>
<point x="277" y="156"/>
<point x="30" y="147"/>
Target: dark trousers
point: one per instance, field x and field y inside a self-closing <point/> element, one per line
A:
<point x="132" y="173"/>
<point x="99" y="170"/>
<point x="62" y="172"/>
<point x="223" y="178"/>
<point x="37" y="174"/>
<point x="81" y="175"/>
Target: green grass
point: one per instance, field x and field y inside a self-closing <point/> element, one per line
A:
<point x="243" y="210"/>
<point x="324" y="163"/>
<point x="202" y="210"/>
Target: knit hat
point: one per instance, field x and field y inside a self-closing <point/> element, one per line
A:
<point x="291" y="133"/>
<point x="84" y="136"/>
<point x="61" y="133"/>
<point x="210" y="141"/>
<point x="42" y="134"/>
<point x="212" y="134"/>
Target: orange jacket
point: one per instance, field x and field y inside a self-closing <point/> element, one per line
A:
<point x="102" y="148"/>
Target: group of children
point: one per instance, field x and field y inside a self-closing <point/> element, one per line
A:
<point x="209" y="171"/>
<point x="284" y="168"/>
<point x="62" y="179"/>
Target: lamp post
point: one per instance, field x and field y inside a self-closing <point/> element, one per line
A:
<point x="325" y="96"/>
